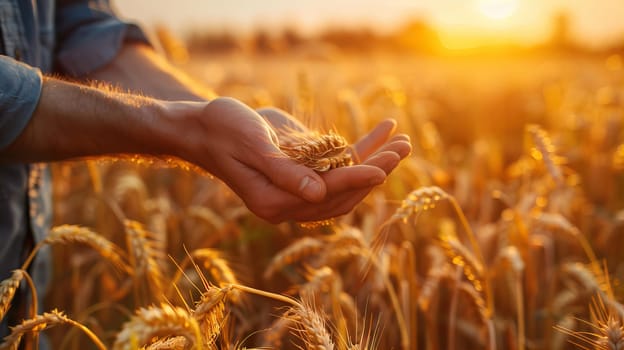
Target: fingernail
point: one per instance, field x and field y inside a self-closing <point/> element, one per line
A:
<point x="377" y="180"/>
<point x="310" y="188"/>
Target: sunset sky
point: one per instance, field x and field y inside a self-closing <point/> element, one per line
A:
<point x="594" y="21"/>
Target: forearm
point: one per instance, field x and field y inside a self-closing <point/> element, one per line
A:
<point x="139" y="68"/>
<point x="72" y="120"/>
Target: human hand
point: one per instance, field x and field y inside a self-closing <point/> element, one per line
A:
<point x="239" y="146"/>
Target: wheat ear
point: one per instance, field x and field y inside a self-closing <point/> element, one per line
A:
<point x="77" y="234"/>
<point x="321" y="152"/>
<point x="158" y="321"/>
<point x="210" y="311"/>
<point x="145" y="255"/>
<point x="8" y="287"/>
<point x="42" y="322"/>
<point x="310" y="327"/>
<point x="545" y="150"/>
<point x="297" y="251"/>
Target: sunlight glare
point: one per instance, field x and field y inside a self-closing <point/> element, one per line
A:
<point x="498" y="9"/>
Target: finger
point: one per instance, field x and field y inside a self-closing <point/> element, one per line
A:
<point x="371" y="141"/>
<point x="352" y="178"/>
<point x="280" y="119"/>
<point x="400" y="147"/>
<point x="338" y="205"/>
<point x="385" y="161"/>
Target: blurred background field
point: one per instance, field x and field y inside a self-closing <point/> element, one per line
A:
<point x="525" y="137"/>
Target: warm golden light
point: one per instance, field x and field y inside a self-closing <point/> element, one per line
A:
<point x="498" y="9"/>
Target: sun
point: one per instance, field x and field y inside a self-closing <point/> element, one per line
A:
<point x="498" y="9"/>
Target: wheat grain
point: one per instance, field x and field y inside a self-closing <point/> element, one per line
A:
<point x="310" y="327"/>
<point x="77" y="234"/>
<point x="321" y="152"/>
<point x="158" y="322"/>
<point x="40" y="323"/>
<point x="545" y="150"/>
<point x="275" y="332"/>
<point x="172" y="343"/>
<point x="608" y="326"/>
<point x="297" y="251"/>
<point x="146" y="255"/>
<point x="218" y="268"/>
<point x="461" y="256"/>
<point x="210" y="311"/>
<point x="8" y="287"/>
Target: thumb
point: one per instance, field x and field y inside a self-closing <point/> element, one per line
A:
<point x="295" y="178"/>
<point x="287" y="174"/>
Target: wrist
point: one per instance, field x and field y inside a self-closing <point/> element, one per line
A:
<point x="173" y="131"/>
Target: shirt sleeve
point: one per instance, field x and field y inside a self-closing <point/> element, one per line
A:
<point x="89" y="35"/>
<point x="19" y="94"/>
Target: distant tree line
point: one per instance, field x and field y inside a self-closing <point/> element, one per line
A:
<point x="415" y="36"/>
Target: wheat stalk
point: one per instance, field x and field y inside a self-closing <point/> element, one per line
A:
<point x="425" y="198"/>
<point x="513" y="257"/>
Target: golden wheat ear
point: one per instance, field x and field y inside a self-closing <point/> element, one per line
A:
<point x="164" y="321"/>
<point x="321" y="152"/>
<point x="66" y="234"/>
<point x="310" y="326"/>
<point x="8" y="287"/>
<point x="42" y="322"/>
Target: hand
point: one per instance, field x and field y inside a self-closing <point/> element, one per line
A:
<point x="239" y="146"/>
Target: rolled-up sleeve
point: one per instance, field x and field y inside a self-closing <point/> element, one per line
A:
<point x="89" y="35"/>
<point x="20" y="89"/>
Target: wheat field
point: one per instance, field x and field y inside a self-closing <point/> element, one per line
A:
<point x="502" y="230"/>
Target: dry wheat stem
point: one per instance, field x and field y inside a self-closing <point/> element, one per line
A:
<point x="407" y="249"/>
<point x="511" y="254"/>
<point x="398" y="310"/>
<point x="265" y="294"/>
<point x="42" y="322"/>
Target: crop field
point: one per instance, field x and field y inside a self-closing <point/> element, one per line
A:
<point x="504" y="229"/>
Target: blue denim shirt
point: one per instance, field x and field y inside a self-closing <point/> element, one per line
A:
<point x="70" y="37"/>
